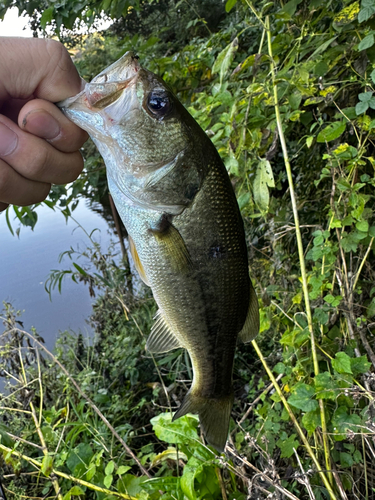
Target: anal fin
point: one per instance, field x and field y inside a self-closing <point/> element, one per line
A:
<point x="162" y="338"/>
<point x="137" y="262"/>
<point x="250" y="328"/>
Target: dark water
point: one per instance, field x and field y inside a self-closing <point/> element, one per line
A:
<point x="25" y="263"/>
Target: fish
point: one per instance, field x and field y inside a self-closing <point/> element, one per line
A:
<point x="185" y="229"/>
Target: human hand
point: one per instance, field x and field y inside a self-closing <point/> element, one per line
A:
<point x="39" y="146"/>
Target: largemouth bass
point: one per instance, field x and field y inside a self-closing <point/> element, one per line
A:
<point x="186" y="234"/>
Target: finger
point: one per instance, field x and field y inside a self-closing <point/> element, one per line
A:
<point x="16" y="190"/>
<point x="45" y="120"/>
<point x="36" y="67"/>
<point x="36" y="159"/>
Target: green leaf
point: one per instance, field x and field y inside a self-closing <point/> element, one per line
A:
<point x="286" y="446"/>
<point x="108" y="480"/>
<point x="47" y="465"/>
<point x="229" y="5"/>
<point x="224" y="59"/>
<point x="311" y="420"/>
<point x="342" y="422"/>
<point x="181" y="431"/>
<point x="366" y="13"/>
<point x="359" y="365"/>
<point x="367" y="42"/>
<point x="109" y="468"/>
<point x="361" y="107"/>
<point x="76" y="490"/>
<point x="362" y="226"/>
<point x="302" y="397"/>
<point x="79" y="269"/>
<point x="331" y="132"/>
<point x="322" y="48"/>
<point x="342" y="363"/>
<point x="243" y="200"/>
<point x="263" y="180"/>
<point x="365" y="96"/>
<point x="123" y="469"/>
<point x="373" y="75"/>
<point x="47" y="17"/>
<point x="295" y="100"/>
<point x="346" y="460"/>
<point x="325" y="386"/>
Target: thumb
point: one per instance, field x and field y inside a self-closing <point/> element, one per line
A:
<point x="34" y="67"/>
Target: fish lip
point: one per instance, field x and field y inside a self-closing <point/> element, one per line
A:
<point x="117" y="77"/>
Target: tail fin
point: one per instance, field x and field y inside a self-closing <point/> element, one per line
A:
<point x="214" y="416"/>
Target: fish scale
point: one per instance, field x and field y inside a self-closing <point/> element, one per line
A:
<point x="187" y="239"/>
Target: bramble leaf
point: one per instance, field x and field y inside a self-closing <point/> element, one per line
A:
<point x="302" y="397"/>
<point x="341" y="363"/>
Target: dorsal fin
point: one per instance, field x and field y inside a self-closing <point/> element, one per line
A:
<point x="161" y="338"/>
<point x="137" y="262"/>
<point x="250" y="328"/>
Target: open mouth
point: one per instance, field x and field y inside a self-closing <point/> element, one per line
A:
<point x="107" y="87"/>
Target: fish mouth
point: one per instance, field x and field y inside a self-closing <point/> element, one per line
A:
<point x="103" y="91"/>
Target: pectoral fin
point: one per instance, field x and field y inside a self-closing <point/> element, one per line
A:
<point x="137" y="262"/>
<point x="251" y="326"/>
<point x="161" y="338"/>
<point x="172" y="245"/>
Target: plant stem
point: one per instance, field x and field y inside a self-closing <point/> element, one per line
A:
<point x="294" y="420"/>
<point x="92" y="405"/>
<point x="66" y="476"/>
<point x="299" y="246"/>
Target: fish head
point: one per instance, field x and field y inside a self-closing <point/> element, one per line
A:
<point x="146" y="137"/>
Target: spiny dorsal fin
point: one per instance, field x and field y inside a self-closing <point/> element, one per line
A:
<point x="137" y="262"/>
<point x="250" y="328"/>
<point x="161" y="338"/>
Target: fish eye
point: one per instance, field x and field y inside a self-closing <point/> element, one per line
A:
<point x="159" y="103"/>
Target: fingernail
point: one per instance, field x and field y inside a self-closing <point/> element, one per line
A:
<point x="8" y="140"/>
<point x="41" y="123"/>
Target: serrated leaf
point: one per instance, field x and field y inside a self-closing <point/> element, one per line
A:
<point x="288" y="445"/>
<point x="181" y="431"/>
<point x="341" y="363"/>
<point x="331" y="132"/>
<point x="343" y="421"/>
<point x="367" y="42"/>
<point x="263" y="180"/>
<point x="302" y="398"/>
<point x="325" y="386"/>
<point x="360" y="365"/>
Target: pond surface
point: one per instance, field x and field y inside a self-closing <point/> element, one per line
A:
<point x="26" y="262"/>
